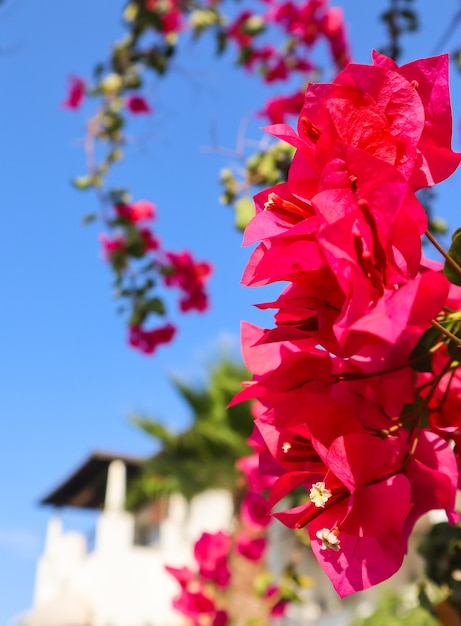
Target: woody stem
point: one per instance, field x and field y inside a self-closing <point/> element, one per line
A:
<point x="443" y="252"/>
<point x="446" y="332"/>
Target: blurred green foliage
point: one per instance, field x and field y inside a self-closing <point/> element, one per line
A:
<point x="204" y="455"/>
<point x="393" y="610"/>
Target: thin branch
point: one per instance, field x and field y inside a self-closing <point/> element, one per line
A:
<point x="443" y="252"/>
<point x="446" y="332"/>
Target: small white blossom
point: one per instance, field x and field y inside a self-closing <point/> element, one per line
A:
<point x="329" y="539"/>
<point x="319" y="494"/>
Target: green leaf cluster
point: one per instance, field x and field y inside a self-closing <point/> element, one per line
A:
<point x="392" y="611"/>
<point x="261" y="170"/>
<point x="204" y="455"/>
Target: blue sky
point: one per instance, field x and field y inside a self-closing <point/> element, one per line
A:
<point x="68" y="379"/>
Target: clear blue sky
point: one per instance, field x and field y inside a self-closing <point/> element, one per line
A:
<point x="68" y="380"/>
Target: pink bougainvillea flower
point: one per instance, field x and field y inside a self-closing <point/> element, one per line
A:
<point x="112" y="246"/>
<point x="376" y="110"/>
<point x="355" y="513"/>
<point x="169" y="14"/>
<point x="413" y="305"/>
<point x="254" y="511"/>
<point x="280" y="67"/>
<point x="150" y="241"/>
<point x="429" y="77"/>
<point x="183" y="575"/>
<point x="190" y="277"/>
<point x="278" y="609"/>
<point x="308" y="21"/>
<point x="249" y="466"/>
<point x="194" y="604"/>
<point x="260" y="55"/>
<point x="236" y="30"/>
<point x="138" y="105"/>
<point x="136" y="211"/>
<point x="277" y="109"/>
<point x="147" y="341"/>
<point x="445" y="402"/>
<point x="277" y="210"/>
<point x="341" y="409"/>
<point x="433" y="475"/>
<point x="252" y="548"/>
<point x="75" y="93"/>
<point x="334" y="28"/>
<point x="368" y="553"/>
<point x="211" y="552"/>
<point x="221" y="618"/>
<point x="357" y="543"/>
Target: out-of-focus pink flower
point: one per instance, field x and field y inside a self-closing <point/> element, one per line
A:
<point x="168" y="13"/>
<point x="220" y="619"/>
<point x="193" y="604"/>
<point x="237" y="31"/>
<point x="137" y="105"/>
<point x="150" y="241"/>
<point x="191" y="278"/>
<point x="335" y="31"/>
<point x="257" y="481"/>
<point x="75" y="93"/>
<point x="147" y="341"/>
<point x="249" y="547"/>
<point x="279" y="108"/>
<point x="211" y="552"/>
<point x="255" y="511"/>
<point x="183" y="575"/>
<point x="111" y="246"/>
<point x="280" y="607"/>
<point x="136" y="211"/>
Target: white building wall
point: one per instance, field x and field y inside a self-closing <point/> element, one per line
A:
<point x="119" y="583"/>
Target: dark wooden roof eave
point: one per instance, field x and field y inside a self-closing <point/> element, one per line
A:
<point x="85" y="488"/>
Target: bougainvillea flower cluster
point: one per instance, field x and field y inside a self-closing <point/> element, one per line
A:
<point x="347" y="416"/>
<point x="274" y="41"/>
<point x="196" y="600"/>
<point x="301" y="25"/>
<point x="136" y="254"/>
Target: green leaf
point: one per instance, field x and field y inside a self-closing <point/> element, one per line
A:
<point x="155" y="305"/>
<point x="420" y="353"/>
<point x="83" y="182"/>
<point x="455" y="253"/>
<point x="204" y="455"/>
<point x="119" y="196"/>
<point x="114" y="155"/>
<point x="262" y="583"/>
<point x="244" y="211"/>
<point x="89" y="218"/>
<point x="154" y="429"/>
<point x="137" y="317"/>
<point x="221" y="40"/>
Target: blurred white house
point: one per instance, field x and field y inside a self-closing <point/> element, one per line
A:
<point x="121" y="580"/>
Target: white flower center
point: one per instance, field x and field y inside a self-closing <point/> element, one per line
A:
<point x="286" y="446"/>
<point x="329" y="539"/>
<point x="319" y="494"/>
